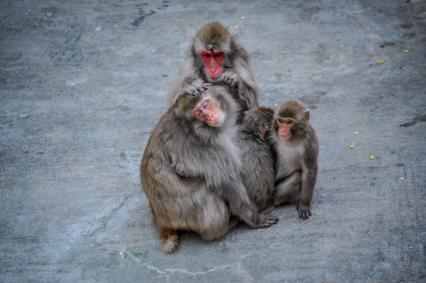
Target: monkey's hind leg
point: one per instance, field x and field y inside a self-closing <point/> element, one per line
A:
<point x="288" y="190"/>
<point x="170" y="240"/>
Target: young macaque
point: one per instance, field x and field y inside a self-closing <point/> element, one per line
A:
<point x="191" y="170"/>
<point x="215" y="58"/>
<point x="296" y="147"/>
<point x="257" y="157"/>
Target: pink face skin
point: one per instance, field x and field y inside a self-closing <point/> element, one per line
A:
<point x="284" y="128"/>
<point x="212" y="62"/>
<point x="206" y="111"/>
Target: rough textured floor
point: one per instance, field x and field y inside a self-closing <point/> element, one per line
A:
<point x="82" y="84"/>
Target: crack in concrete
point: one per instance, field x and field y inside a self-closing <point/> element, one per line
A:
<point x="105" y="219"/>
<point x="170" y="271"/>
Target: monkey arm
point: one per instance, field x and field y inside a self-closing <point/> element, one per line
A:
<point x="240" y="205"/>
<point x="247" y="89"/>
<point x="309" y="176"/>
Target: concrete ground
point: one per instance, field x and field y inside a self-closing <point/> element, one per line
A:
<point x="82" y="84"/>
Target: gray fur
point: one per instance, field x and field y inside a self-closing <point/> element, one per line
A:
<point x="191" y="172"/>
<point x="297" y="159"/>
<point x="237" y="71"/>
<point x="258" y="172"/>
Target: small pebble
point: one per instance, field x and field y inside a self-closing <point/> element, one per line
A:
<point x="381" y="62"/>
<point x="243" y="18"/>
<point x="351" y="146"/>
<point x="371" y="157"/>
<point x="405" y="50"/>
<point x="356" y="133"/>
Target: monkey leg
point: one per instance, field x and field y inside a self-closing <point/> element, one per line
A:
<point x="213" y="218"/>
<point x="170" y="240"/>
<point x="289" y="190"/>
<point x="215" y="233"/>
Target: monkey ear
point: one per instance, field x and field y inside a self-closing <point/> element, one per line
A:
<point x="307" y="114"/>
<point x="243" y="114"/>
<point x="264" y="131"/>
<point x="232" y="29"/>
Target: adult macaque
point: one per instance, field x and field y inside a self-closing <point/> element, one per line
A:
<point x="296" y="147"/>
<point x="257" y="157"/>
<point x="215" y="58"/>
<point x="191" y="170"/>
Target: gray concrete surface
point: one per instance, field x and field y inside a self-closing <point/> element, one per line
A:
<point x="82" y="83"/>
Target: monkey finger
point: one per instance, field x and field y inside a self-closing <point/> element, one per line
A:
<point x="267" y="220"/>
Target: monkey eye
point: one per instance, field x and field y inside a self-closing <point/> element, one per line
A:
<point x="289" y="123"/>
<point x="219" y="54"/>
<point x="280" y="121"/>
<point x="205" y="54"/>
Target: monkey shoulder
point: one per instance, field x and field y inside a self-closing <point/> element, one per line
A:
<point x="311" y="144"/>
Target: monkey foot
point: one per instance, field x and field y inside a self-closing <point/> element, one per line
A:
<point x="170" y="241"/>
<point x="304" y="212"/>
<point x="170" y="246"/>
<point x="266" y="220"/>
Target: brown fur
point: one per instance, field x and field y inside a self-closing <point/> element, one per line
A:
<point x="237" y="73"/>
<point x="297" y="159"/>
<point x="191" y="173"/>
<point x="258" y="172"/>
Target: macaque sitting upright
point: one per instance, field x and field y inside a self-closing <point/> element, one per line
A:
<point x="191" y="170"/>
<point x="296" y="147"/>
<point x="215" y="58"/>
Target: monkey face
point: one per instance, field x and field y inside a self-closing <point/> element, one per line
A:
<point x="284" y="128"/>
<point x="212" y="60"/>
<point x="207" y="111"/>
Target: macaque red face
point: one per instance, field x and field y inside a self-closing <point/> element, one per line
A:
<point x="208" y="112"/>
<point x="284" y="126"/>
<point x="212" y="60"/>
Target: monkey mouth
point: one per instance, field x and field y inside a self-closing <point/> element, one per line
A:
<point x="284" y="135"/>
<point x="214" y="72"/>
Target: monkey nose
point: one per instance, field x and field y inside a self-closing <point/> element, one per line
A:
<point x="210" y="47"/>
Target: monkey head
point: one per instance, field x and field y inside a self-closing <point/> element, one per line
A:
<point x="258" y="121"/>
<point x="211" y="48"/>
<point x="214" y="108"/>
<point x="290" y="120"/>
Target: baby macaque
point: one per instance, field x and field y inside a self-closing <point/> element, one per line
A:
<point x="257" y="157"/>
<point x="296" y="146"/>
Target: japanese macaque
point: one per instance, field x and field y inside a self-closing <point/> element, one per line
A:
<point x="257" y="157"/>
<point x="296" y="147"/>
<point x="215" y="58"/>
<point x="191" y="170"/>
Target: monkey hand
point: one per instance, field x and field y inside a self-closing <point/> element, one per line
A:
<point x="304" y="212"/>
<point x="230" y="77"/>
<point x="266" y="220"/>
<point x="197" y="87"/>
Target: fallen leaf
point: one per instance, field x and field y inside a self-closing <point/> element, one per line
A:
<point x="351" y="146"/>
<point x="405" y="50"/>
<point x="405" y="25"/>
<point x="381" y="62"/>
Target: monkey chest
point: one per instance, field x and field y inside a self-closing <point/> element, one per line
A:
<point x="289" y="159"/>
